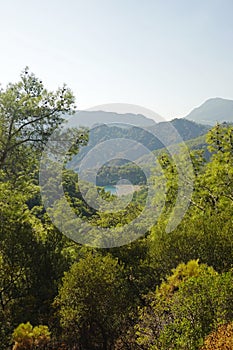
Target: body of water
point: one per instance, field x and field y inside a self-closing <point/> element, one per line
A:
<point x="120" y="190"/>
<point x="111" y="189"/>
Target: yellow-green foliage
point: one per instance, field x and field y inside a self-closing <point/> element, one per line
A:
<point x="181" y="273"/>
<point x="26" y="337"/>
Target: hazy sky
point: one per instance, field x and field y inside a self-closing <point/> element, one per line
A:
<point x="166" y="55"/>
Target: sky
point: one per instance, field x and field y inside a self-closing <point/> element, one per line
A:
<point x="165" y="55"/>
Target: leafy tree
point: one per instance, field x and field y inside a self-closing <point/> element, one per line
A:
<point x="29" y="113"/>
<point x="92" y="302"/>
<point x="182" y="319"/>
<point x="157" y="319"/>
<point x="200" y="305"/>
<point x="33" y="255"/>
<point x="205" y="233"/>
<point x="201" y="235"/>
<point x="31" y="260"/>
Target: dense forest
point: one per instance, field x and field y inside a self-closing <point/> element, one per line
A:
<point x="163" y="291"/>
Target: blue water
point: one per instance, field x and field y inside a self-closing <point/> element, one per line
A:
<point x="111" y="189"/>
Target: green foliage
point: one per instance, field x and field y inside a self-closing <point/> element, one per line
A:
<point x="93" y="302"/>
<point x="184" y="309"/>
<point x="28" y="116"/>
<point x="32" y="262"/>
<point x="182" y="273"/>
<point x="200" y="305"/>
<point x="31" y="251"/>
<point x="28" y="338"/>
<point x="111" y="174"/>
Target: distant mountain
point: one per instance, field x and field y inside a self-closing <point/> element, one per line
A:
<point x="212" y="111"/>
<point x="113" y="136"/>
<point x="154" y="137"/>
<point x="112" y="128"/>
<point x="178" y="130"/>
<point x="94" y="118"/>
<point x="106" y="125"/>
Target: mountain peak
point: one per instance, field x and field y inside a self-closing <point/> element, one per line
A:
<point x="213" y="110"/>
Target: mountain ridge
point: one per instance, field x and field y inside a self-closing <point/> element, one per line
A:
<point x="93" y="118"/>
<point x="212" y="111"/>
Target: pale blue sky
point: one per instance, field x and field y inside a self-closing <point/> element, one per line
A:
<point x="166" y="55"/>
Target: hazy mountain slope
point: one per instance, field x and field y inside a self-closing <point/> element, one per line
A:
<point x="177" y="130"/>
<point x="212" y="111"/>
<point x="92" y="118"/>
<point x="152" y="138"/>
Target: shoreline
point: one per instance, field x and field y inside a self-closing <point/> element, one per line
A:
<point x="124" y="189"/>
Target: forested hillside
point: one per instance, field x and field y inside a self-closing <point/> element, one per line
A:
<point x="155" y="138"/>
<point x="162" y="291"/>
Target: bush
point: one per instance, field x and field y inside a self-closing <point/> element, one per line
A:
<point x="28" y="338"/>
